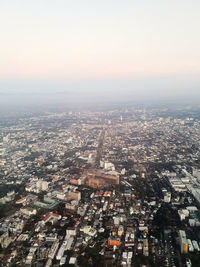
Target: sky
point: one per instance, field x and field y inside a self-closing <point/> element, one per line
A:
<point x="99" y="50"/>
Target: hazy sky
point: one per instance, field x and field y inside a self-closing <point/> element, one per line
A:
<point x="130" y="47"/>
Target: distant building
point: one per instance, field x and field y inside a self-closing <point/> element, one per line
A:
<point x="167" y="197"/>
<point x="72" y="205"/>
<point x="146" y="247"/>
<point x="28" y="211"/>
<point x="21" y="200"/>
<point x="51" y="217"/>
<point x="73" y="195"/>
<point x="113" y="241"/>
<point x="42" y="185"/>
<point x="183" y="242"/>
<point x="5" y="240"/>
<point x="195" y="245"/>
<point x="120" y="230"/>
<point x="71" y="231"/>
<point x="99" y="178"/>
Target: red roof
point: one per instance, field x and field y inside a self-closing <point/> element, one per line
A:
<point x="56" y="215"/>
<point x="50" y="215"/>
<point x="21" y="199"/>
<point x="46" y="217"/>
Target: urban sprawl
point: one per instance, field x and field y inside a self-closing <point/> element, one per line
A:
<point x="109" y="188"/>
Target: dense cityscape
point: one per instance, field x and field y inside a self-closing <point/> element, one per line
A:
<point x="114" y="187"/>
<point x="99" y="133"/>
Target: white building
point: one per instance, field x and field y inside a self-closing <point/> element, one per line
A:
<point x="167" y="197"/>
<point x="183" y="242"/>
<point x="42" y="185"/>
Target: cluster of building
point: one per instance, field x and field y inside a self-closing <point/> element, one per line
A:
<point x="8" y="197"/>
<point x="103" y="178"/>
